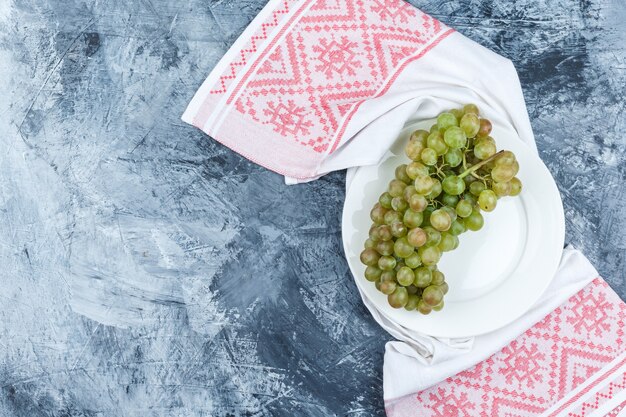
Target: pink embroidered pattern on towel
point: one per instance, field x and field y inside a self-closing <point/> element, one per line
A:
<point x="615" y="412"/>
<point x="540" y="368"/>
<point x="307" y="68"/>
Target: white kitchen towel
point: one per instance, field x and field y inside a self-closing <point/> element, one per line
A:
<point x="572" y="362"/>
<point x="314" y="86"/>
<point x="409" y="368"/>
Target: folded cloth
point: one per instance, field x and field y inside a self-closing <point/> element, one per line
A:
<point x="416" y="361"/>
<point x="314" y="86"/>
<point x="310" y="82"/>
<point x="572" y="362"/>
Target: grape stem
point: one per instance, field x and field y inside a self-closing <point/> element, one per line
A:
<point x="474" y="168"/>
<point x="478" y="177"/>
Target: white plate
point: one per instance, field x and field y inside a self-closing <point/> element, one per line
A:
<point x="497" y="273"/>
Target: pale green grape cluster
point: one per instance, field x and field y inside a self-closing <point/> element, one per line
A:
<point x="454" y="174"/>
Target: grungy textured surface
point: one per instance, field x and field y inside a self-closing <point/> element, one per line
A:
<point x="149" y="271"/>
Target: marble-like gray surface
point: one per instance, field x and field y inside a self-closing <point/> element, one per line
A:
<point x="148" y="271"/>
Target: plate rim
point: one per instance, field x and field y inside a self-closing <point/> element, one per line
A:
<point x="559" y="228"/>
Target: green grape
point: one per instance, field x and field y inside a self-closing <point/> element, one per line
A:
<point x="398" y="298"/>
<point x="424" y="185"/>
<point x="448" y="242"/>
<point x="415" y="169"/>
<point x="413" y="218"/>
<point x="444" y="288"/>
<point x="413" y="149"/>
<point x="457" y="113"/>
<point x="454" y="157"/>
<point x="457" y="227"/>
<point x="399" y="204"/>
<point x="430" y="255"/>
<point x="405" y="276"/>
<point x="370" y="257"/>
<point x="438" y="278"/>
<point x="469" y="179"/>
<point x="396" y="187"/>
<point x="429" y="156"/>
<point x="385" y="200"/>
<point x="423" y="277"/>
<point x="451" y="212"/>
<point x="455" y="137"/>
<point x="388" y="276"/>
<point x="372" y="273"/>
<point x="488" y="139"/>
<point x="373" y="233"/>
<point x="412" y="301"/>
<point x="446" y="120"/>
<point x="413" y="261"/>
<point x="369" y="243"/>
<point x="417" y="237"/>
<point x="453" y="185"/>
<point x="438" y="307"/>
<point x="388" y="287"/>
<point x="505" y="158"/>
<point x="420" y="135"/>
<point x="477" y="187"/>
<point x="515" y="166"/>
<point x="398" y="229"/>
<point x="440" y="220"/>
<point x="434" y="193"/>
<point x="504" y="173"/>
<point x="432" y="295"/>
<point x="501" y="188"/>
<point x="516" y="186"/>
<point x="470" y="124"/>
<point x="464" y="208"/>
<point x="412" y="289"/>
<point x="392" y="216"/>
<point x="433" y="237"/>
<point x="386" y="263"/>
<point x="485" y="128"/>
<point x="435" y="142"/>
<point x="402" y="175"/>
<point x="470" y="159"/>
<point x="474" y="221"/>
<point x="402" y="248"/>
<point x="378" y="214"/>
<point x="470" y="109"/>
<point x="384" y="232"/>
<point x="408" y="192"/>
<point x="484" y="149"/>
<point x="418" y="203"/>
<point x="427" y="212"/>
<point x="470" y="198"/>
<point x="423" y="308"/>
<point x="385" y="248"/>
<point x="377" y="285"/>
<point x="449" y="200"/>
<point x="487" y="200"/>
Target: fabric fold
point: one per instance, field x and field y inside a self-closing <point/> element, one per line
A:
<point x="315" y="86"/>
<point x="407" y="370"/>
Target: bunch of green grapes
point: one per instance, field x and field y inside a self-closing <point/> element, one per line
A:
<point x="455" y="173"/>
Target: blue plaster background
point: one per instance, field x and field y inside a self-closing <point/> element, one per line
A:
<point x="146" y="270"/>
